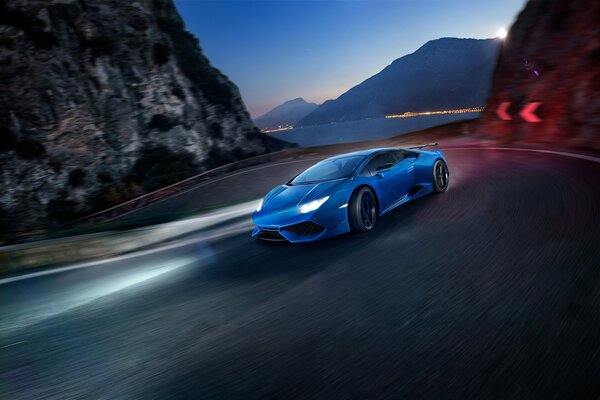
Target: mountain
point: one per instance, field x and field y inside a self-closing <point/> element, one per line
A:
<point x="551" y="55"/>
<point x="288" y="113"/>
<point x="104" y="100"/>
<point x="446" y="73"/>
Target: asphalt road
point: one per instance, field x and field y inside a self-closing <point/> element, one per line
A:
<point x="491" y="290"/>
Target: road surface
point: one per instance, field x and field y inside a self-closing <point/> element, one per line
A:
<point x="491" y="290"/>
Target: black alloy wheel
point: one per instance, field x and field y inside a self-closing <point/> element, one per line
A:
<point x="440" y="177"/>
<point x="362" y="210"/>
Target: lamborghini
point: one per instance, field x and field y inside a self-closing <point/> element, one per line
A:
<point x="349" y="192"/>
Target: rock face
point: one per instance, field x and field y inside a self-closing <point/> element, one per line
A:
<point x="551" y="55"/>
<point x="286" y="114"/>
<point x="107" y="98"/>
<point x="446" y="73"/>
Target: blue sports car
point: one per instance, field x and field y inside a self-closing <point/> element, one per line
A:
<point x="348" y="192"/>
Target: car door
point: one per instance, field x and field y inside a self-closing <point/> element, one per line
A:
<point x="405" y="172"/>
<point x="393" y="176"/>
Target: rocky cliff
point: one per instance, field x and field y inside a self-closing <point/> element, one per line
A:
<point x="103" y="100"/>
<point x="552" y="56"/>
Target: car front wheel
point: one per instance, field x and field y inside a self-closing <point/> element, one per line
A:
<point x="362" y="210"/>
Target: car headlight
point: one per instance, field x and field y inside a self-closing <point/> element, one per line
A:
<point x="313" y="205"/>
<point x="259" y="206"/>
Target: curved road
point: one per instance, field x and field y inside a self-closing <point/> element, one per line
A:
<point x="491" y="290"/>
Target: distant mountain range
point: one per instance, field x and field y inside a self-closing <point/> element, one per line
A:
<point x="446" y="73"/>
<point x="286" y="114"/>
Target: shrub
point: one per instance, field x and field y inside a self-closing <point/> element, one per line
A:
<point x="29" y="149"/>
<point x="100" y="46"/>
<point x="216" y="130"/>
<point x="6" y="61"/>
<point x="161" y="53"/>
<point x="161" y="122"/>
<point x="4" y="220"/>
<point x="60" y="210"/>
<point x="115" y="193"/>
<point x="176" y="90"/>
<point x="42" y="39"/>
<point x="138" y="22"/>
<point x="32" y="26"/>
<point x="241" y="152"/>
<point x="6" y="42"/>
<point x="158" y="167"/>
<point x="55" y="164"/>
<point x="217" y="157"/>
<point x="14" y="17"/>
<point x="216" y="92"/>
<point x="77" y="177"/>
<point x="95" y="82"/>
<point x="104" y="177"/>
<point x="7" y="139"/>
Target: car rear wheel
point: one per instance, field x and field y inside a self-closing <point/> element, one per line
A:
<point x="440" y="177"/>
<point x="362" y="210"/>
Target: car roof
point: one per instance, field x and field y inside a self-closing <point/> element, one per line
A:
<point x="367" y="152"/>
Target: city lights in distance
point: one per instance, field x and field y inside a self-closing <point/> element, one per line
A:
<point x="278" y="129"/>
<point x="409" y="114"/>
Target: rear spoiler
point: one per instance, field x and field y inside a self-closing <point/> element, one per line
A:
<point x="423" y="145"/>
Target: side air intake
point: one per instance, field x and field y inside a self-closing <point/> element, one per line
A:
<point x="270" y="234"/>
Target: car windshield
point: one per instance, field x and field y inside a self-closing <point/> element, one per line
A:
<point x="333" y="168"/>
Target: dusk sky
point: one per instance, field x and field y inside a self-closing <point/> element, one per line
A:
<point x="279" y="50"/>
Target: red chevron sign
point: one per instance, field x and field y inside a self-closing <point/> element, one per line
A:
<point x="501" y="111"/>
<point x="527" y="113"/>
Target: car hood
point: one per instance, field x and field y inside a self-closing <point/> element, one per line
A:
<point x="286" y="196"/>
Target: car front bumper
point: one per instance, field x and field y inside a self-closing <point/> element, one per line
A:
<point x="292" y="226"/>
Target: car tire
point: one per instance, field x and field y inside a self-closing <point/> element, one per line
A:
<point x="362" y="210"/>
<point x="441" y="177"/>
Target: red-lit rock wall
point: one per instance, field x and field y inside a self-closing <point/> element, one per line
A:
<point x="551" y="55"/>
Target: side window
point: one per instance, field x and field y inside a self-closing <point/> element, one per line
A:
<point x="398" y="155"/>
<point x="381" y="159"/>
<point x="408" y="154"/>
